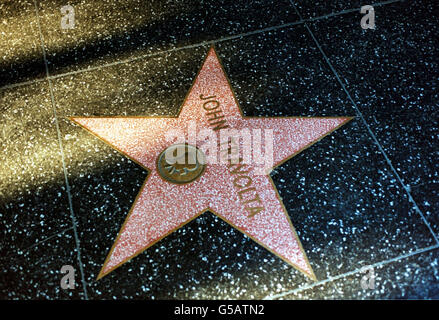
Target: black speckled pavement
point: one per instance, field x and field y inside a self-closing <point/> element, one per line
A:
<point x="364" y="200"/>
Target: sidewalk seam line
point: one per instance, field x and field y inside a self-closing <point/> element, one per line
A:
<point x="60" y="144"/>
<point x="353" y="272"/>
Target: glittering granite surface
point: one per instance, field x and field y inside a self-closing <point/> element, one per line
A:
<point x="21" y="57"/>
<point x="109" y="31"/>
<point x="366" y="195"/>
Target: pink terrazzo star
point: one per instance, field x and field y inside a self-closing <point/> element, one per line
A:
<point x="161" y="207"/>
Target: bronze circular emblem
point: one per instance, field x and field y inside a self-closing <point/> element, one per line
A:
<point x="181" y="163"/>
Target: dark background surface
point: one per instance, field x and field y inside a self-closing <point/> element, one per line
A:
<point x="366" y="195"/>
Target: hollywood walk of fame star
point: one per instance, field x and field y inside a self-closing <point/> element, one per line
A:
<point x="234" y="192"/>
